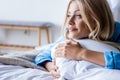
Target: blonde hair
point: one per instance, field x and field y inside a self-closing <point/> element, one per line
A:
<point x="97" y="11"/>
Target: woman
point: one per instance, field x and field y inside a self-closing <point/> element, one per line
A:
<point x="88" y="19"/>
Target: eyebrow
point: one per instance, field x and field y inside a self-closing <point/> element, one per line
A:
<point x="75" y="11"/>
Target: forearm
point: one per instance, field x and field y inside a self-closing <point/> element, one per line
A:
<point x="46" y="54"/>
<point x="94" y="57"/>
<point x="48" y="66"/>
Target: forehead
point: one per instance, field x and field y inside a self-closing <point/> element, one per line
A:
<point x="73" y="7"/>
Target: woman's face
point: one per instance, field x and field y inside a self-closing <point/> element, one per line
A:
<point x="76" y="26"/>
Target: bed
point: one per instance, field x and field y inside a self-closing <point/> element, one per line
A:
<point x="20" y="66"/>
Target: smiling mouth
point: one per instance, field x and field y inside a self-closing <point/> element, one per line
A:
<point x="72" y="29"/>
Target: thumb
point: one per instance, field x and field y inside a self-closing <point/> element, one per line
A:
<point x="54" y="61"/>
<point x="72" y="41"/>
<point x="68" y="42"/>
<point x="54" y="64"/>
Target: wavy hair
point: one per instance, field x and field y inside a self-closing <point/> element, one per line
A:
<point x="95" y="13"/>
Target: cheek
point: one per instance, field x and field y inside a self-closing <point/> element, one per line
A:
<point x="80" y="25"/>
<point x="82" y="28"/>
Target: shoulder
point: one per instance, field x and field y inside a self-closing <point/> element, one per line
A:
<point x="117" y="29"/>
<point x="116" y="34"/>
<point x="117" y="25"/>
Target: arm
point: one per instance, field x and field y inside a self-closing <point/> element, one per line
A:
<point x="72" y="50"/>
<point x="45" y="56"/>
<point x="110" y="60"/>
<point x="94" y="57"/>
<point x="76" y="52"/>
<point x="44" y="59"/>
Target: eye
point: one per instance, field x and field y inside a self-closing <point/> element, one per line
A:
<point x="74" y="16"/>
<point x="68" y="16"/>
<point x="78" y="16"/>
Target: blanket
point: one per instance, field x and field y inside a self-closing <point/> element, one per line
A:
<point x="20" y="66"/>
<point x="25" y="59"/>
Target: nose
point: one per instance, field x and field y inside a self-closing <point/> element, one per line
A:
<point x="71" y="21"/>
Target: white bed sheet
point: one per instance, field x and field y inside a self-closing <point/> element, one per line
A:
<point x="18" y="72"/>
<point x="11" y="72"/>
<point x="99" y="74"/>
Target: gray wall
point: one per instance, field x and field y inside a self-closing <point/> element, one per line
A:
<point x="31" y="10"/>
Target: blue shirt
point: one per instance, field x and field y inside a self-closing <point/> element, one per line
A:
<point x="112" y="59"/>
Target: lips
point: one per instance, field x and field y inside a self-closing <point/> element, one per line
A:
<point x="72" y="29"/>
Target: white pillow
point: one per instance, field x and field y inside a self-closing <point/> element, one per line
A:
<point x="71" y="68"/>
<point x="115" y="7"/>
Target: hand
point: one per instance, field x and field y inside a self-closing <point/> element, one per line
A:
<point x="73" y="50"/>
<point x="52" y="68"/>
<point x="70" y="50"/>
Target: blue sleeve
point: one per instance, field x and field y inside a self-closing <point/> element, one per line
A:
<point x="112" y="59"/>
<point x="46" y="54"/>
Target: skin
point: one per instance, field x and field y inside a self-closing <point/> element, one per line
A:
<point x="76" y="25"/>
<point x="77" y="30"/>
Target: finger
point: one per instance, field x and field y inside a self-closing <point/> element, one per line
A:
<point x="54" y="64"/>
<point x="55" y="74"/>
<point x="71" y="41"/>
<point x="68" y="42"/>
<point x="75" y="42"/>
<point x="59" y="52"/>
<point x="60" y="45"/>
<point x="54" y="61"/>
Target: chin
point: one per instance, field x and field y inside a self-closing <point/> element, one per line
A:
<point x="73" y="37"/>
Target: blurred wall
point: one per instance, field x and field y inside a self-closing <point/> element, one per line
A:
<point x="31" y="10"/>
